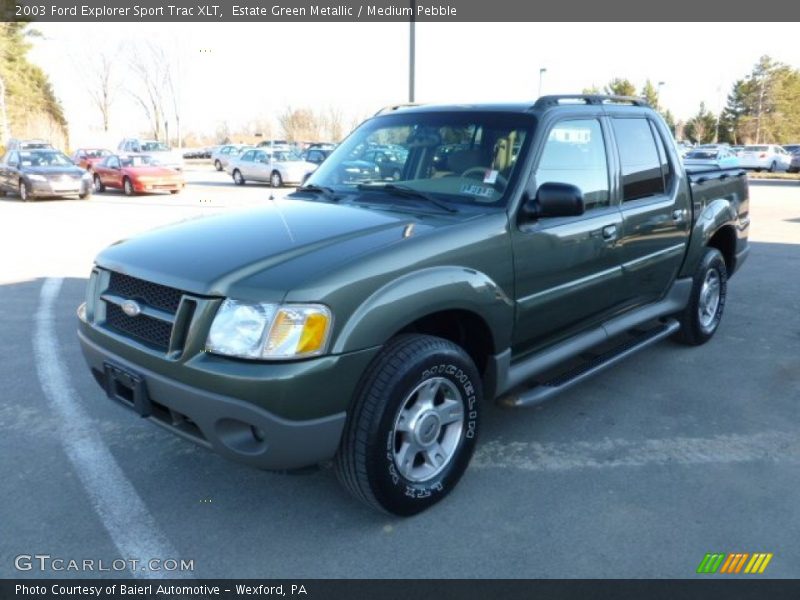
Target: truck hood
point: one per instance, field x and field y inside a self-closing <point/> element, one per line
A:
<point x="234" y="253"/>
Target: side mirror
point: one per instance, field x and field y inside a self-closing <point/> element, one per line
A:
<point x="554" y="200"/>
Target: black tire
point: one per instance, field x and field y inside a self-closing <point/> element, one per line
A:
<point x="173" y="192"/>
<point x="697" y="327"/>
<point x="237" y="177"/>
<point x="773" y="167"/>
<point x="218" y="165"/>
<point x="127" y="187"/>
<point x="366" y="462"/>
<point x="98" y="184"/>
<point x="23" y="192"/>
<point x="275" y="179"/>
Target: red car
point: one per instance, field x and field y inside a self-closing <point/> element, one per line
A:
<point x="86" y="158"/>
<point x="138" y="174"/>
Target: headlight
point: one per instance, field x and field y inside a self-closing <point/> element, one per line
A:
<point x="269" y="331"/>
<point x="35" y="177"/>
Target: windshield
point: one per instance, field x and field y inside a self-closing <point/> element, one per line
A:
<point x="39" y="158"/>
<point x="154" y="147"/>
<point x="702" y="154"/>
<point x="138" y="161"/>
<point x="96" y="153"/>
<point x="464" y="157"/>
<point x="286" y="156"/>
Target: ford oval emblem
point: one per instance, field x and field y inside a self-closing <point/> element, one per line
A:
<point x="131" y="308"/>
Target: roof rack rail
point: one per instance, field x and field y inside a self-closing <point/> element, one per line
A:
<point x="393" y="107"/>
<point x="557" y="99"/>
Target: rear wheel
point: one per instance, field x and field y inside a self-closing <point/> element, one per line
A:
<point x="701" y="317"/>
<point x="127" y="187"/>
<point x="412" y="429"/>
<point x="237" y="177"/>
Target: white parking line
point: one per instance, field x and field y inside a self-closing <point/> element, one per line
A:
<point x="122" y="512"/>
<point x="772" y="446"/>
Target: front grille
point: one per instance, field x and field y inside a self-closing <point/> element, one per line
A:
<point x="150" y="331"/>
<point x="151" y="294"/>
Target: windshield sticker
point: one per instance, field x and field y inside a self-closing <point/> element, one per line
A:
<point x="491" y="176"/>
<point x="476" y="190"/>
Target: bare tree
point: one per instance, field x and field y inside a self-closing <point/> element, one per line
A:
<point x="150" y="68"/>
<point x="334" y="124"/>
<point x="299" y="124"/>
<point x="102" y="85"/>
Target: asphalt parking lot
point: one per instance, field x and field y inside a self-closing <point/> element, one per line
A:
<point x="638" y="472"/>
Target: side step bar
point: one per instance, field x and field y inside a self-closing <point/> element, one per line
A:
<point x="547" y="389"/>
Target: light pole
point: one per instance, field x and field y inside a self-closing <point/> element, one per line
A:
<point x="658" y="94"/>
<point x="412" y="51"/>
<point x="542" y="71"/>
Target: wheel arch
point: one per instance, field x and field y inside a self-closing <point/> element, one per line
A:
<point x="455" y="303"/>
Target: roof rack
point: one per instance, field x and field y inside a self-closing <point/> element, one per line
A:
<point x="393" y="107"/>
<point x="556" y="100"/>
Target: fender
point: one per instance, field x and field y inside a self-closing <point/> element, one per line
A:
<point x="419" y="293"/>
<point x="716" y="214"/>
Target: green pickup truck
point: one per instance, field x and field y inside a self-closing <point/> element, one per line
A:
<point x="366" y="318"/>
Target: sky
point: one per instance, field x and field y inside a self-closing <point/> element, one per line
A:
<point x="236" y="72"/>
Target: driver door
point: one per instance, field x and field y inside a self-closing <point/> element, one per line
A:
<point x="111" y="175"/>
<point x="568" y="269"/>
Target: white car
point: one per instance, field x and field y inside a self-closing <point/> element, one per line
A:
<point x="279" y="167"/>
<point x="222" y="155"/>
<point x="158" y="151"/>
<point x="765" y="156"/>
<point x="711" y="157"/>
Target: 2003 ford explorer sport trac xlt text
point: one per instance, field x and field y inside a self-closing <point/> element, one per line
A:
<point x="366" y="318"/>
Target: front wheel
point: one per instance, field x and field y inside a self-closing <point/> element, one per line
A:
<point x="412" y="429"/>
<point x="218" y="165"/>
<point x="24" y="193"/>
<point x="773" y="167"/>
<point x="237" y="177"/>
<point x="127" y="187"/>
<point x="98" y="185"/>
<point x="701" y="317"/>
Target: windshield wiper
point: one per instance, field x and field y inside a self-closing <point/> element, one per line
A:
<point x="325" y="192"/>
<point x="406" y="192"/>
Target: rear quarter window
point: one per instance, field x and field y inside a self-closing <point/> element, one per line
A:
<point x="642" y="175"/>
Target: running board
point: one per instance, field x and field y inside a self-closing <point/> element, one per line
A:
<point x="547" y="389"/>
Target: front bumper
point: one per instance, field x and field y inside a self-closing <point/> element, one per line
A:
<point x="157" y="186"/>
<point x="48" y="189"/>
<point x="237" y="429"/>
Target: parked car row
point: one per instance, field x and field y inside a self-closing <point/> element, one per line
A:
<point x="757" y="157"/>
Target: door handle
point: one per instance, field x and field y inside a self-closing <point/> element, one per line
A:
<point x="610" y="232"/>
<point x="678" y="215"/>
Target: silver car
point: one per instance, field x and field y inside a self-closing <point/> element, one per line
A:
<point x="711" y="157"/>
<point x="222" y="155"/>
<point x="158" y="151"/>
<point x="279" y="167"/>
<point x="765" y="156"/>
